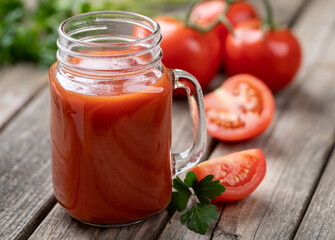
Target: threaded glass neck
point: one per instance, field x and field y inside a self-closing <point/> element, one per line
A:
<point x="109" y="43"/>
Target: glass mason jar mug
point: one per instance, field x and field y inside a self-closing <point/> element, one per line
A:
<point x="110" y="119"/>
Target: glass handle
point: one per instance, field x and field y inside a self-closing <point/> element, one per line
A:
<point x="190" y="157"/>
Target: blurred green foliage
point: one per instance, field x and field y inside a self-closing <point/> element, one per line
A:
<point x="29" y="33"/>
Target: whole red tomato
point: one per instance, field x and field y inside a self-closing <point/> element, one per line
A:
<point x="187" y="49"/>
<point x="209" y="12"/>
<point x="272" y="55"/>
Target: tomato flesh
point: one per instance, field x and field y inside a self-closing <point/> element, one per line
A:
<point x="241" y="109"/>
<point x="240" y="173"/>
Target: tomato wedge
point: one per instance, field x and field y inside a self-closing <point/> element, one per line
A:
<point x="240" y="172"/>
<point x="242" y="108"/>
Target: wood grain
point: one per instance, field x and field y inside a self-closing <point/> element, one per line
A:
<point x="18" y="84"/>
<point x="25" y="176"/>
<point x="62" y="226"/>
<point x="319" y="221"/>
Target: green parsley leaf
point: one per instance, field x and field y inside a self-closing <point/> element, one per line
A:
<point x="199" y="217"/>
<point x="191" y="179"/>
<point x="179" y="199"/>
<point x="202" y="214"/>
<point x="208" y="189"/>
<point x="178" y="184"/>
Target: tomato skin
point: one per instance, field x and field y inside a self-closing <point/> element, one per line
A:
<point x="274" y="56"/>
<point x="207" y="12"/>
<point x="187" y="49"/>
<point x="251" y="113"/>
<point x="235" y="166"/>
<point x="240" y="11"/>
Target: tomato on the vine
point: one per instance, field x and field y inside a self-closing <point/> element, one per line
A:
<point x="209" y="12"/>
<point x="273" y="55"/>
<point x="187" y="49"/>
<point x="240" y="11"/>
<point x="240" y="173"/>
<point x="241" y="109"/>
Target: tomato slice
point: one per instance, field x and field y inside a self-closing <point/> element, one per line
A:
<point x="240" y="172"/>
<point x="242" y="108"/>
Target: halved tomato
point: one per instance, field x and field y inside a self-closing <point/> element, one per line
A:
<point x="240" y="173"/>
<point x="242" y="108"/>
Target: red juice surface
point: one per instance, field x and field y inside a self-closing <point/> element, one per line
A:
<point x="110" y="144"/>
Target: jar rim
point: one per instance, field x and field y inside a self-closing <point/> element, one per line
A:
<point x="154" y="24"/>
<point x="75" y="38"/>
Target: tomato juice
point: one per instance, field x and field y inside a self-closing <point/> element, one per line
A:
<point x="110" y="143"/>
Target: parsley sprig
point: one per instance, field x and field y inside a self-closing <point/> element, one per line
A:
<point x="202" y="213"/>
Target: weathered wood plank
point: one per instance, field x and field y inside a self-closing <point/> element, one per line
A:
<point x="319" y="221"/>
<point x="62" y="226"/>
<point x="25" y="176"/>
<point x="17" y="86"/>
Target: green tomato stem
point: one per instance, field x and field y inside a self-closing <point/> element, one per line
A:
<point x="270" y="24"/>
<point x="221" y="19"/>
<point x="189" y="11"/>
<point x="225" y="21"/>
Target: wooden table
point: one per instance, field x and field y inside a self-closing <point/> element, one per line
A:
<point x="296" y="200"/>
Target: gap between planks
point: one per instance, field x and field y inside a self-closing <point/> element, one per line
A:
<point x="318" y="222"/>
<point x="328" y="164"/>
<point x="25" y="176"/>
